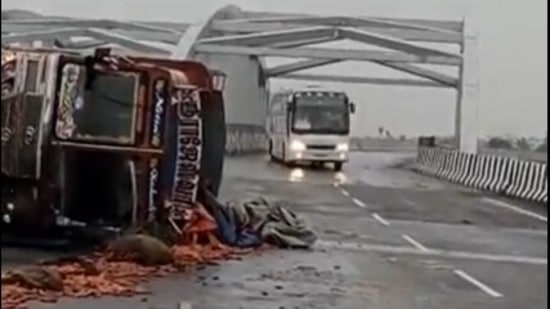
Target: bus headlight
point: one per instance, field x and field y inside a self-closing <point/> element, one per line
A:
<point x="342" y="147"/>
<point x="297" y="146"/>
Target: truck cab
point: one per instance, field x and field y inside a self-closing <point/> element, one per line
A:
<point x="105" y="140"/>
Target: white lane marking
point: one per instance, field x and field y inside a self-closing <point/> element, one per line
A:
<point x="515" y="208"/>
<point x="380" y="219"/>
<point x="415" y="243"/>
<point x="344" y="192"/>
<point x="477" y="283"/>
<point x="407" y="250"/>
<point x="359" y="203"/>
<point x="408" y="202"/>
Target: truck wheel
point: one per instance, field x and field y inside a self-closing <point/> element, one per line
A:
<point x="338" y="166"/>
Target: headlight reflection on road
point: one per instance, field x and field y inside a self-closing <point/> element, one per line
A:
<point x="297" y="174"/>
<point x="340" y="178"/>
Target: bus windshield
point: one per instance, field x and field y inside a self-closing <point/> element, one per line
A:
<point x="320" y="115"/>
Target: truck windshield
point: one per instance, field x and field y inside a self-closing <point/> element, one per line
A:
<point x="103" y="112"/>
<point x="320" y="115"/>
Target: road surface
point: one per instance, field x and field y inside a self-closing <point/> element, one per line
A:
<point x="389" y="239"/>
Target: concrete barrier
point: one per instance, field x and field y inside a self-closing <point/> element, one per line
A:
<point x="522" y="179"/>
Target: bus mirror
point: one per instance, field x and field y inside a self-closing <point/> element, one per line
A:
<point x="352" y="107"/>
<point x="289" y="106"/>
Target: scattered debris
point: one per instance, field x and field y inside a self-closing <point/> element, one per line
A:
<point x="126" y="263"/>
<point x="120" y="270"/>
<point x="253" y="222"/>
<point x="35" y="277"/>
<point x="142" y="249"/>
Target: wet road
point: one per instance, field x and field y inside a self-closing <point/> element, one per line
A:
<point x="389" y="239"/>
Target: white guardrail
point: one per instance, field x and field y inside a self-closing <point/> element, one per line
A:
<point x="522" y="179"/>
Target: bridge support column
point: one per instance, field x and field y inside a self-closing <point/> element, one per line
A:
<point x="466" y="122"/>
<point x="246" y="96"/>
<point x="246" y="89"/>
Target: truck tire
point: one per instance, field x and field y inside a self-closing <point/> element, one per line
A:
<point x="338" y="166"/>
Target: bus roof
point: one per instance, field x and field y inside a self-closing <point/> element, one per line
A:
<point x="311" y="91"/>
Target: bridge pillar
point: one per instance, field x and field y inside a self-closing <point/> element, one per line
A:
<point x="246" y="88"/>
<point x="466" y="121"/>
<point x="246" y="96"/>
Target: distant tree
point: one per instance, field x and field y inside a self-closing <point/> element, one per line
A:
<point x="381" y="131"/>
<point x="388" y="134"/>
<point x="499" y="143"/>
<point x="402" y="137"/>
<point x="544" y="146"/>
<point x="523" y="144"/>
<point x="19" y="14"/>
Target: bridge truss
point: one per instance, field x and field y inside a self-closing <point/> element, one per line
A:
<point x="232" y="31"/>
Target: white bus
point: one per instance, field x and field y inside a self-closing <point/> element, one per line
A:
<point x="309" y="126"/>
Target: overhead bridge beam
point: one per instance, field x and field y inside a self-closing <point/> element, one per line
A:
<point x="43" y="35"/>
<point x="328" y="54"/>
<point x="243" y="27"/>
<point x="420" y="72"/>
<point x="89" y="23"/>
<point x="392" y="43"/>
<point x="67" y="44"/>
<point x="109" y="36"/>
<point x="307" y="42"/>
<point x="297" y="66"/>
<point x="443" y="79"/>
<point x="362" y="80"/>
<point x="274" y="37"/>
<point x="344" y="21"/>
<point x="327" y="33"/>
<point x="106" y="36"/>
<point x="451" y="25"/>
<point x="165" y="37"/>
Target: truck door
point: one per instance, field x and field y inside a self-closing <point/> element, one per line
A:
<point x="21" y="119"/>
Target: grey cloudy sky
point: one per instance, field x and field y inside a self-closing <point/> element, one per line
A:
<point x="513" y="53"/>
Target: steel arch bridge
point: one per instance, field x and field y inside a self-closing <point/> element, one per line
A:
<point x="236" y="41"/>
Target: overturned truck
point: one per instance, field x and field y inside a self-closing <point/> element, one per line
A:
<point x="104" y="141"/>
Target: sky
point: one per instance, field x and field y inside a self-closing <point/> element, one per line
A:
<point x="512" y="50"/>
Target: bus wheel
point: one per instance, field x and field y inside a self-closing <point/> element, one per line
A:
<point x="338" y="166"/>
